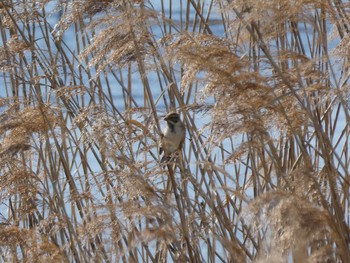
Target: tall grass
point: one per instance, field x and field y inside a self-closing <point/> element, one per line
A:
<point x="262" y="87"/>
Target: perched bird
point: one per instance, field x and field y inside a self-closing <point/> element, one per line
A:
<point x="173" y="136"/>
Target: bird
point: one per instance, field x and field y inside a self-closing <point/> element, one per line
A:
<point x="173" y="136"/>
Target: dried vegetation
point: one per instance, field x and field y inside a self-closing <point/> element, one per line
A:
<point x="262" y="86"/>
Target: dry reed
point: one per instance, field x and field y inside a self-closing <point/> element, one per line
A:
<point x="262" y="87"/>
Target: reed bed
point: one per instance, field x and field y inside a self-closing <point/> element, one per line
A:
<point x="262" y="86"/>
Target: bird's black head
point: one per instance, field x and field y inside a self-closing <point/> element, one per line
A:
<point x="172" y="117"/>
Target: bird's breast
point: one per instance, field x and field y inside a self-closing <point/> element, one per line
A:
<point x="173" y="137"/>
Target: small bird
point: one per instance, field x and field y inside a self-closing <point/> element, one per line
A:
<point x="173" y="136"/>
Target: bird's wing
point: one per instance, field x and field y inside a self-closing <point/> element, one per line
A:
<point x="161" y="147"/>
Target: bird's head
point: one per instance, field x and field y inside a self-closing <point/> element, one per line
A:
<point x="172" y="117"/>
